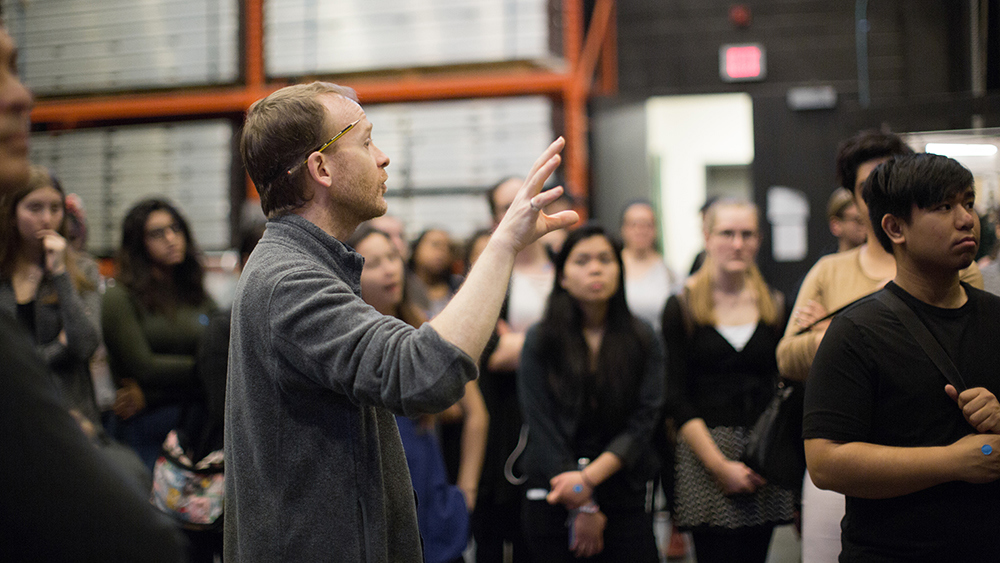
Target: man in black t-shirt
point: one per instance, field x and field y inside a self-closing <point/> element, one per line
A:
<point x="917" y="459"/>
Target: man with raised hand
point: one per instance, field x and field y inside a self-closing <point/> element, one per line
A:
<point x="314" y="466"/>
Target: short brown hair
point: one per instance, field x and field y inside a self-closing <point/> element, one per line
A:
<point x="280" y="129"/>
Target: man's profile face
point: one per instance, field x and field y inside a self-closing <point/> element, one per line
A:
<point x="15" y="110"/>
<point x="359" y="166"/>
<point x="851" y="226"/>
<point x="944" y="235"/>
<point x="865" y="170"/>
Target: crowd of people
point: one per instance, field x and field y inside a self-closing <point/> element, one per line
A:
<point x="530" y="389"/>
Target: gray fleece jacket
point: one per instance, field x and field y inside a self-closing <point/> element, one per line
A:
<point x="315" y="469"/>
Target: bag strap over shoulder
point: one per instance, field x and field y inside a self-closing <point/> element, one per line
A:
<point x="923" y="337"/>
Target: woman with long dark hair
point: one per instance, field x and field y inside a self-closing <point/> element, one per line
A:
<point x="153" y="318"/>
<point x="721" y="333"/>
<point x="50" y="288"/>
<point x="591" y="386"/>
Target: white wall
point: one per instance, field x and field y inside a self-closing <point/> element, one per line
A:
<point x="685" y="134"/>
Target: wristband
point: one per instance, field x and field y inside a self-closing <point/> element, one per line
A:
<point x="590" y="508"/>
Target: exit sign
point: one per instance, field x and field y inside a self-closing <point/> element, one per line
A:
<point x="743" y="62"/>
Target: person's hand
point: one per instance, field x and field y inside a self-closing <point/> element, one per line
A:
<point x="54" y="248"/>
<point x="569" y="489"/>
<point x="735" y="478"/>
<point x="524" y="222"/>
<point x="973" y="464"/>
<point x="129" y="400"/>
<point x="979" y="407"/>
<point x="808" y="314"/>
<point x="588" y="534"/>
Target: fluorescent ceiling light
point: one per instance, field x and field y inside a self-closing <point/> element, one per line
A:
<point x="956" y="149"/>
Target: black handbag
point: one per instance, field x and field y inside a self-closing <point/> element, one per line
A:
<point x="774" y="449"/>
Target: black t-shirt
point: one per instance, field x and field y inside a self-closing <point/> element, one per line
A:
<point x="872" y="382"/>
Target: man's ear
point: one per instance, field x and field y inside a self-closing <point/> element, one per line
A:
<point x="835" y="227"/>
<point x="320" y="169"/>
<point x="893" y="227"/>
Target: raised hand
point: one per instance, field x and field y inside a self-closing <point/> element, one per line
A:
<point x="525" y="222"/>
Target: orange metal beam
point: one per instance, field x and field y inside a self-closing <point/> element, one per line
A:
<point x="574" y="107"/>
<point x="70" y="112"/>
<point x="583" y="72"/>
<point x="609" y="57"/>
<point x="253" y="43"/>
<point x="253" y="69"/>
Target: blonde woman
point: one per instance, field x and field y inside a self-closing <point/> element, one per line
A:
<point x="721" y="333"/>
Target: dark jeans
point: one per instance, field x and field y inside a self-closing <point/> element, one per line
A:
<point x="146" y="431"/>
<point x="492" y="525"/>
<point x="744" y="545"/>
<point x="628" y="535"/>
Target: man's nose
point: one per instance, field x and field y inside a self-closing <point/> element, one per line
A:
<point x="966" y="217"/>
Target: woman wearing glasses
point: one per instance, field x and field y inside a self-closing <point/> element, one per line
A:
<point x="721" y="333"/>
<point x="49" y="288"/>
<point x="153" y="318"/>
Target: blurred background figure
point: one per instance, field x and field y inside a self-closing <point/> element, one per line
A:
<point x="432" y="282"/>
<point x="51" y="288"/>
<point x="648" y="281"/>
<point x="591" y="388"/>
<point x="699" y="258"/>
<point x="846" y="222"/>
<point x="442" y="508"/>
<point x="393" y="227"/>
<point x="474" y="247"/>
<point x="721" y="333"/>
<point x="153" y="320"/>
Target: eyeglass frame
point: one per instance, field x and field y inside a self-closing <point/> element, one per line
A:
<point x="323" y="147"/>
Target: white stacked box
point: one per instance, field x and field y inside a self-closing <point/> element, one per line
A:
<point x="444" y="155"/>
<point x="330" y="36"/>
<point x="112" y="168"/>
<point x="74" y="46"/>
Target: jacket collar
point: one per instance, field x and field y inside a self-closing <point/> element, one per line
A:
<point x="317" y="243"/>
